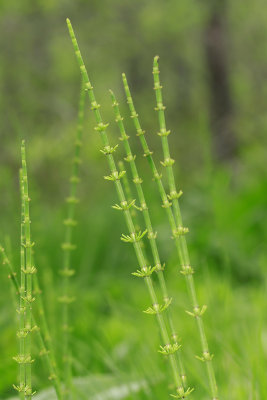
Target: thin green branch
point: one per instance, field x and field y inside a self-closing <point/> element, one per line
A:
<point x="151" y="234"/>
<point x="66" y="299"/>
<point x="133" y="236"/>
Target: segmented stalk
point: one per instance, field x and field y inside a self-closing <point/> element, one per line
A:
<point x="177" y="229"/>
<point x="133" y="237"/>
<point x="44" y="338"/>
<point x="184" y="260"/>
<point x="66" y="299"/>
<point x="28" y="270"/>
<point x="43" y="348"/>
<point x="159" y="267"/>
<point x="20" y="290"/>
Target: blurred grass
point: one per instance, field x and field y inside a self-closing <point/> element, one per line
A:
<point x="224" y="205"/>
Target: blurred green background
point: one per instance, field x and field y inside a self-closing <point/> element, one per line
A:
<point x="213" y="61"/>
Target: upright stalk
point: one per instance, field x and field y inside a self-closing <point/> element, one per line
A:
<point x="42" y="345"/>
<point x="27" y="270"/>
<point x="183" y="250"/>
<point x="44" y="338"/>
<point x="177" y="229"/>
<point x="159" y="267"/>
<point x="133" y="236"/>
<point x="20" y="290"/>
<point x="66" y="299"/>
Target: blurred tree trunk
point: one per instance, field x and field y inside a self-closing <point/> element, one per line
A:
<point x="221" y="106"/>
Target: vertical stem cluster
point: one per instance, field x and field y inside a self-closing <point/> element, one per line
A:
<point x="159" y="267"/>
<point x="67" y="246"/>
<point x="133" y="237"/>
<point x="44" y="338"/>
<point x="51" y="364"/>
<point x="175" y="221"/>
<point x="181" y="243"/>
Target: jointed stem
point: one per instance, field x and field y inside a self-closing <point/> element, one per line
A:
<point x="42" y="345"/>
<point x="115" y="176"/>
<point x="22" y="295"/>
<point x="151" y="234"/>
<point x="177" y="230"/>
<point x="67" y="246"/>
<point x="29" y="271"/>
<point x="181" y="242"/>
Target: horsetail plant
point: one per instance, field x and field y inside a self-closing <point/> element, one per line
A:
<point x="26" y="328"/>
<point x="41" y="339"/>
<point x="44" y="337"/>
<point x="152" y="235"/>
<point x="66" y="299"/>
<point x="133" y="237"/>
<point x="178" y="231"/>
<point x="184" y="256"/>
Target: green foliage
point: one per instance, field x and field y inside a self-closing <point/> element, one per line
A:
<point x="224" y="205"/>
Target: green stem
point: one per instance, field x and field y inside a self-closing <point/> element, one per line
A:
<point x="183" y="250"/>
<point x="134" y="238"/>
<point x="43" y="348"/>
<point x="28" y="270"/>
<point x="43" y="335"/>
<point x="151" y="234"/>
<point x="67" y="246"/>
<point x="177" y="230"/>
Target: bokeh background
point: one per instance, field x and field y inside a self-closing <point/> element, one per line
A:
<point x="213" y="61"/>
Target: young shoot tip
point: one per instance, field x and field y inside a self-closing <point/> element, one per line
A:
<point x="156" y="58"/>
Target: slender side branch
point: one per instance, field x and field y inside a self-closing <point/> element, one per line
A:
<point x="133" y="237"/>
